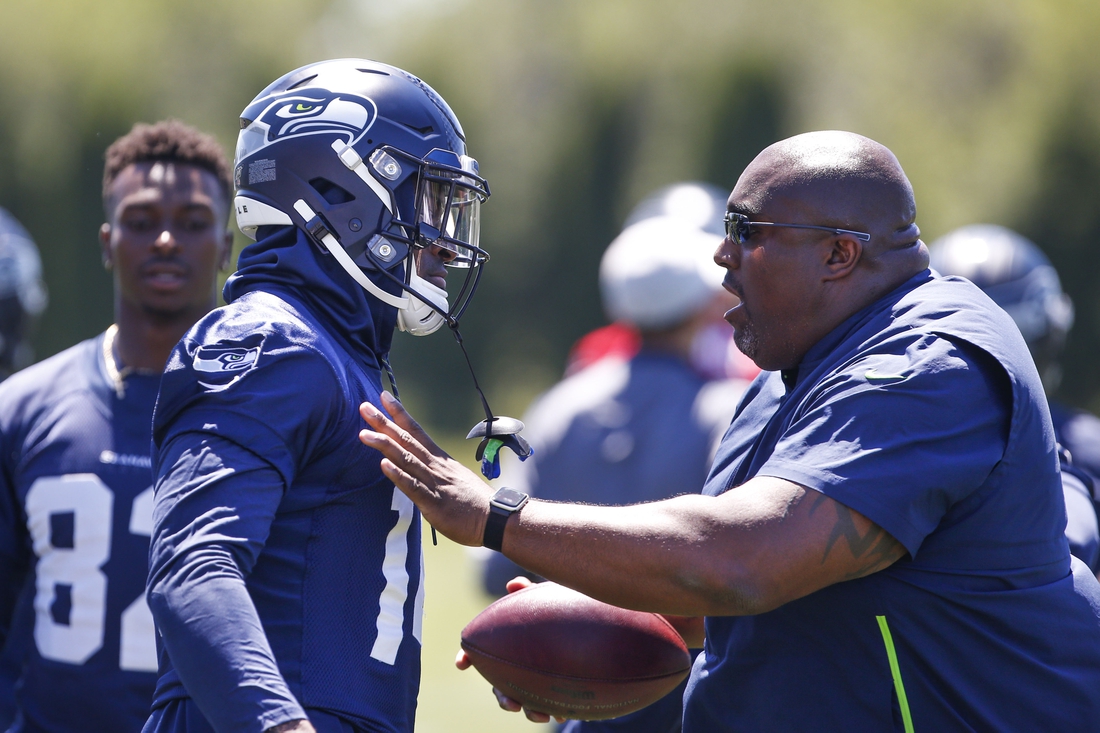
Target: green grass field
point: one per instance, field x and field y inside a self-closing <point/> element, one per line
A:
<point x="452" y="701"/>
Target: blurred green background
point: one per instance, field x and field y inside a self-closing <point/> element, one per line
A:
<point x="575" y="109"/>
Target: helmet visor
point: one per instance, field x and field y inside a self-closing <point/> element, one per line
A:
<point x="449" y="214"/>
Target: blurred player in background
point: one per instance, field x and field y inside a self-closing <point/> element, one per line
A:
<point x="646" y="399"/>
<point x="713" y="355"/>
<point x="286" y="575"/>
<point x="641" y="424"/>
<point x="22" y="294"/>
<point x="76" y="493"/>
<point x="22" y="300"/>
<point x="1016" y="274"/>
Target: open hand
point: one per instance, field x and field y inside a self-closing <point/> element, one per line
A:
<point x="452" y="498"/>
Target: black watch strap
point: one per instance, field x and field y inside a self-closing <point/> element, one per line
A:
<point x="503" y="504"/>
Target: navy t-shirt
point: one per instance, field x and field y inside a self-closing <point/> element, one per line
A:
<point x="923" y="412"/>
<point x="76" y="502"/>
<point x="285" y="569"/>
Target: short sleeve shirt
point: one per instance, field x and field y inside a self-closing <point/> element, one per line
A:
<point x="924" y="413"/>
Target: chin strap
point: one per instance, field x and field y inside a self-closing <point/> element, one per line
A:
<point x="316" y="227"/>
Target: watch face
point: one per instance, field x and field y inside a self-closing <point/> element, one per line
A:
<point x="509" y="498"/>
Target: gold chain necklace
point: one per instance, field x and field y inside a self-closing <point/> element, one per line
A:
<point x="114" y="374"/>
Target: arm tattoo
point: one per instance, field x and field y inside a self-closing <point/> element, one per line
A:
<point x="875" y="548"/>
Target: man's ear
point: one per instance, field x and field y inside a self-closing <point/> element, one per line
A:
<point x="105" y="245"/>
<point x="844" y="255"/>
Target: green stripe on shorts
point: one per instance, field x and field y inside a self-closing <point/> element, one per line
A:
<point x="895" y="671"/>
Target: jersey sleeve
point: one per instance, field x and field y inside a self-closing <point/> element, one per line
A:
<point x="901" y="437"/>
<point x="235" y="422"/>
<point x="278" y="399"/>
<point x="215" y="502"/>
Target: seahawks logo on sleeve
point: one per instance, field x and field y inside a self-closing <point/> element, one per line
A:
<point x="220" y="366"/>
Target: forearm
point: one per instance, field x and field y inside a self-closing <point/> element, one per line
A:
<point x="672" y="556"/>
<point x="747" y="551"/>
<point x="215" y="504"/>
<point x="217" y="644"/>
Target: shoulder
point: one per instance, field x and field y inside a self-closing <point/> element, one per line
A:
<point x="258" y="314"/>
<point x="256" y="362"/>
<point x="258" y="331"/>
<point x="73" y="370"/>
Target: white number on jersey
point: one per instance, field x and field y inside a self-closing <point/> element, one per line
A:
<point x="76" y="572"/>
<point x="391" y="605"/>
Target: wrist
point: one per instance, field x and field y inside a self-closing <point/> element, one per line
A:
<point x="502" y="505"/>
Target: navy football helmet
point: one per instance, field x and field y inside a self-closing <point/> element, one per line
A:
<point x="22" y="293"/>
<point x="371" y="163"/>
<point x="1016" y="274"/>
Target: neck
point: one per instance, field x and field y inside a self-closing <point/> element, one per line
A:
<point x="145" y="341"/>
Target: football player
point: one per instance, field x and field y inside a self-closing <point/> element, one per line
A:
<point x="22" y="299"/>
<point x="75" y="473"/>
<point x="1015" y="273"/>
<point x="285" y="569"/>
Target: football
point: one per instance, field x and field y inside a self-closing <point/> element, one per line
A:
<point x="560" y="652"/>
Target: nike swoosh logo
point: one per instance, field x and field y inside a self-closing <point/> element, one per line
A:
<point x="876" y="376"/>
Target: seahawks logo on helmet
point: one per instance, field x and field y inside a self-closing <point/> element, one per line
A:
<point x="296" y="114"/>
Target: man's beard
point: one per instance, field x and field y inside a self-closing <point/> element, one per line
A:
<point x="746" y="340"/>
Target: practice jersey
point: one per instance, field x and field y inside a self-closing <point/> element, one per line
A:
<point x="76" y="500"/>
<point x="924" y="413"/>
<point x="286" y="571"/>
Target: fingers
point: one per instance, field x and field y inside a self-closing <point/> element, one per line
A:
<point x="402" y="438"/>
<point x="518" y="583"/>
<point x="401" y="479"/>
<point x="405" y="420"/>
<point x="462" y="660"/>
<point x="536" y="717"/>
<point x="507" y="703"/>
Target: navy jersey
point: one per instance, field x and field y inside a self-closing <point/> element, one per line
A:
<point x="76" y="503"/>
<point x="923" y="412"/>
<point x="285" y="570"/>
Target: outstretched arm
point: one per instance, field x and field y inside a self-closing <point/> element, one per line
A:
<point x="747" y="551"/>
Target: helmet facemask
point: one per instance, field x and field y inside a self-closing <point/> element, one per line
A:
<point x="447" y="215"/>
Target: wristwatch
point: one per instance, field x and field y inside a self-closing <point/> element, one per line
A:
<point x="503" y="504"/>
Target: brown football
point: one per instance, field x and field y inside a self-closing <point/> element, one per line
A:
<point x="560" y="652"/>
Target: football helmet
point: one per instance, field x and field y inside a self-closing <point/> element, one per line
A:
<point x="371" y="163"/>
<point x="1019" y="278"/>
<point x="22" y="293"/>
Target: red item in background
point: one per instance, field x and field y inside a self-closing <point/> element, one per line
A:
<point x="619" y="340"/>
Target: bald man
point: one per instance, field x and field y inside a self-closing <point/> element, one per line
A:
<point x="879" y="545"/>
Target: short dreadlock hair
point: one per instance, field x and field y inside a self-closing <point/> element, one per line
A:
<point x="167" y="140"/>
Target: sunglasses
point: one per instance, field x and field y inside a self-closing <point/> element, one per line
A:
<point x="739" y="228"/>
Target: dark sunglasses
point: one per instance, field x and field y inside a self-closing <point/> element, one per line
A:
<point x="738" y="228"/>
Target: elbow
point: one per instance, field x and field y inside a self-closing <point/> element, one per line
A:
<point x="734" y="590"/>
